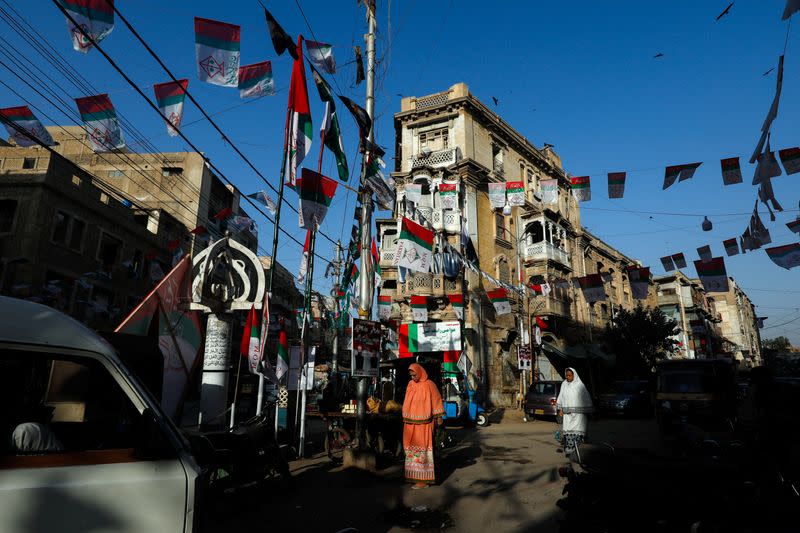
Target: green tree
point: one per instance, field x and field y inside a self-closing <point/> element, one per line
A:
<point x="778" y="344"/>
<point x="639" y="339"/>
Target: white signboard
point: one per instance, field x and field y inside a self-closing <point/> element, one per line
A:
<point x="430" y="337"/>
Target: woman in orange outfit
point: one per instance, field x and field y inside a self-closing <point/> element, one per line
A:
<point x="422" y="408"/>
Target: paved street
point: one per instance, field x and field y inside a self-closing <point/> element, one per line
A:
<point x="500" y="478"/>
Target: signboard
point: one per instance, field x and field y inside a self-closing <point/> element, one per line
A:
<point x="366" y="351"/>
<point x="524" y="358"/>
<point x="430" y="337"/>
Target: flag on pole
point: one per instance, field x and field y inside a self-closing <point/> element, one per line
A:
<point x="592" y="287"/>
<point x="639" y="278"/>
<point x="359" y="115"/>
<point x="301" y="276"/>
<point x="616" y="184"/>
<point x="731" y="246"/>
<point x="704" y="252"/>
<point x="321" y="55"/>
<point x="359" y="65"/>
<point x="100" y="122"/>
<point x="170" y="97"/>
<point x="448" y="194"/>
<point x="581" y="188"/>
<point x="330" y="130"/>
<point x="300" y="129"/>
<point x="786" y="256"/>
<point x="20" y="120"/>
<point x="282" y="366"/>
<point x="712" y="274"/>
<point x="419" y="308"/>
<point x="281" y="40"/>
<point x="497" y="195"/>
<point x="354" y="274"/>
<point x="95" y="17"/>
<point x="256" y="80"/>
<point x="251" y="339"/>
<point x="668" y="264"/>
<point x="457" y="301"/>
<point x="679" y="259"/>
<point x="216" y="46"/>
<point x="790" y="157"/>
<point x="549" y="191"/>
<point x="316" y="193"/>
<point x="376" y="263"/>
<point x="499" y="299"/>
<point x="680" y="173"/>
<point x="384" y="307"/>
<point x="263" y="198"/>
<point x="266" y="369"/>
<point x="731" y="171"/>
<point x="515" y="193"/>
<point x="414" y="247"/>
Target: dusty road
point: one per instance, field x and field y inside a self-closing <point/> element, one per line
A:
<point x="496" y="479"/>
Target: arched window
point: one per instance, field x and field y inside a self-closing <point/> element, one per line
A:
<point x="536" y="231"/>
<point x="502" y="269"/>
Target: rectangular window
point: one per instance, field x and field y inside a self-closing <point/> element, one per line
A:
<point x="76" y="234"/>
<point x="171" y="171"/>
<point x="61" y="228"/>
<point x="108" y="250"/>
<point x="8" y="213"/>
<point x="500" y="226"/>
<point x="29" y="163"/>
<point x="497" y="158"/>
<point x="434" y="139"/>
<point x="116" y="174"/>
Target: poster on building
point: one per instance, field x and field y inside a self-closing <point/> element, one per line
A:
<point x="294" y="368"/>
<point x="524" y="358"/>
<point x="429" y="337"/>
<point x="365" y="356"/>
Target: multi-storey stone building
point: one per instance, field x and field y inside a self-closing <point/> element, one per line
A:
<point x="452" y="137"/>
<point x="738" y="324"/>
<point x="684" y="300"/>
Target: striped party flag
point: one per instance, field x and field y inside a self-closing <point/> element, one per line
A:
<point x="94" y="17"/>
<point x="170" y="97"/>
<point x="457" y="301"/>
<point x="499" y="299"/>
<point x="592" y="287"/>
<point x="384" y="307"/>
<point x="419" y="308"/>
<point x="712" y="274"/>
<point x="414" y="247"/>
<point x="731" y="246"/>
<point x="790" y="157"/>
<point x="448" y="194"/>
<point x="450" y="359"/>
<point x="794" y="226"/>
<point x="321" y="55"/>
<point x="786" y="256"/>
<point x="616" y="184"/>
<point x="256" y="80"/>
<point x="680" y="173"/>
<point x="704" y="252"/>
<point x="100" y="122"/>
<point x="731" y="171"/>
<point x="668" y="264"/>
<point x="316" y="193"/>
<point x="679" y="260"/>
<point x="216" y="47"/>
<point x="581" y="188"/>
<point x="22" y="124"/>
<point x="515" y="192"/>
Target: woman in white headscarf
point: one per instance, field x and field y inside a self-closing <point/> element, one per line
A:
<point x="574" y="403"/>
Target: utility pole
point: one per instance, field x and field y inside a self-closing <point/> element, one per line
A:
<point x="337" y="265"/>
<point x="365" y="303"/>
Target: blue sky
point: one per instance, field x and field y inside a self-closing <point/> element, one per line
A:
<point x="579" y="75"/>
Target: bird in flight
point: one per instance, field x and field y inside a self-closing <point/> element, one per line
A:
<point x="658" y="56"/>
<point x="725" y="12"/>
<point x="496" y="101"/>
<point x="770" y="70"/>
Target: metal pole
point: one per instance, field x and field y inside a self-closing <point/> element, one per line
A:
<point x="303" y="361"/>
<point x="365" y="304"/>
<point x="335" y="347"/>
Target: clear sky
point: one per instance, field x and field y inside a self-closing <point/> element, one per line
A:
<point x="579" y="75"/>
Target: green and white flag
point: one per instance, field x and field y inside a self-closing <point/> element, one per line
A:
<point x="448" y="194"/>
<point x="256" y="80"/>
<point x="414" y="247"/>
<point x="497" y="195"/>
<point x="712" y="274"/>
<point x="316" y="193"/>
<point x="499" y="299"/>
<point x="330" y="130"/>
<point x="251" y="341"/>
<point x="581" y="188"/>
<point x="282" y="366"/>
<point x="731" y="246"/>
<point x="419" y="308"/>
<point x="100" y="122"/>
<point x="300" y="129"/>
<point x="457" y="301"/>
<point x="95" y="17"/>
<point x="679" y="172"/>
<point x="216" y="46"/>
<point x="170" y="97"/>
<point x="731" y="171"/>
<point x="515" y="192"/>
<point x="616" y="184"/>
<point x="384" y="307"/>
<point x="549" y="191"/>
<point x="19" y="119"/>
<point x="321" y="55"/>
<point x="787" y="256"/>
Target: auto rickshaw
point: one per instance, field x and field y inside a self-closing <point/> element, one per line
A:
<point x="697" y="392"/>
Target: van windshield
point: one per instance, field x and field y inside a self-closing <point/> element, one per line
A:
<point x="687" y="382"/>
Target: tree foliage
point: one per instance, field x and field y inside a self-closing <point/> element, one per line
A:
<point x="639" y="339"/>
<point x="778" y="344"/>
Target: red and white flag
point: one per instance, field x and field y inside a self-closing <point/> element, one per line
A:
<point x="731" y="171"/>
<point x="300" y="128"/>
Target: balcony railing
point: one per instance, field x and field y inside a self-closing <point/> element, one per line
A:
<point x="387" y="257"/>
<point x="419" y="283"/>
<point x="545" y="251"/>
<point x="449" y="221"/>
<point x="439" y="158"/>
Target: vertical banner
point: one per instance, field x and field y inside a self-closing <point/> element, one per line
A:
<point x="616" y="184"/>
<point x="100" y="122"/>
<point x="170" y="97"/>
<point x="366" y="351"/>
<point x="448" y="194"/>
<point x="515" y="192"/>
<point x="549" y="191"/>
<point x="216" y="46"/>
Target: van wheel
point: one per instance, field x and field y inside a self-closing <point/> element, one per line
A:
<point x="482" y="420"/>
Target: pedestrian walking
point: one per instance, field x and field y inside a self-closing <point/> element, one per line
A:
<point x="422" y="408"/>
<point x="574" y="404"/>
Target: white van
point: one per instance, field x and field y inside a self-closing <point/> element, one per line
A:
<point x="83" y="446"/>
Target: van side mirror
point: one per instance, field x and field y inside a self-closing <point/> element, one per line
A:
<point x="151" y="443"/>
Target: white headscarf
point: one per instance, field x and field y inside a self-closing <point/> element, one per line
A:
<point x="574" y="397"/>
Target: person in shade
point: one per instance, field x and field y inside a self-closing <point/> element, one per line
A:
<point x="422" y="408"/>
<point x="574" y="403"/>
